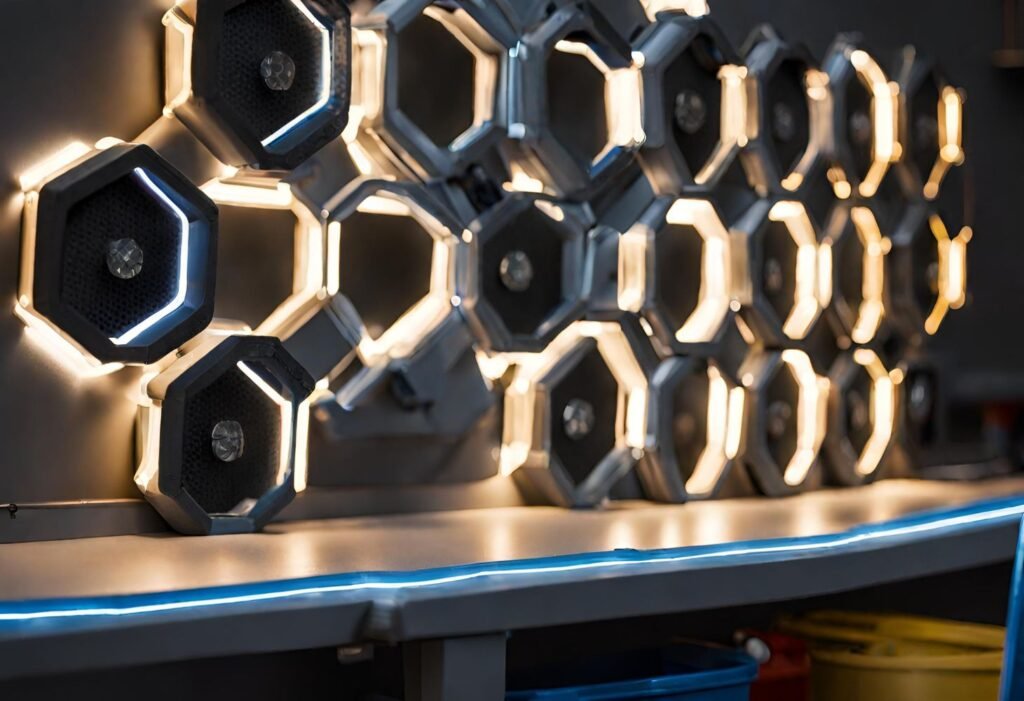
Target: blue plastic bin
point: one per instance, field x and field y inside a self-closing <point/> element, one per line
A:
<point x="683" y="672"/>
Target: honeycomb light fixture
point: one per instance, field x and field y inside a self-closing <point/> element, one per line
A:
<point x="84" y="270"/>
<point x="407" y="57"/>
<point x="310" y="283"/>
<point x="865" y="118"/>
<point x="685" y="262"/>
<point x="683" y="309"/>
<point x="605" y="426"/>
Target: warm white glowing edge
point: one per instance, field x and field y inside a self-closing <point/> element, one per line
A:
<point x="326" y="76"/>
<point x="811" y="415"/>
<point x="179" y="295"/>
<point x="809" y="289"/>
<point x="518" y="441"/>
<point x="286" y="418"/>
<point x="883" y="411"/>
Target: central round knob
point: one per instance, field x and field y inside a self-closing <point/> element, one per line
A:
<point x="691" y="112"/>
<point x="516" y="271"/>
<point x="578" y="419"/>
<point x="227" y="440"/>
<point x="779" y="414"/>
<point x="920" y="399"/>
<point x="858" y="410"/>
<point x="773" y="277"/>
<point x="278" y="71"/>
<point x="860" y="128"/>
<point x="783" y="122"/>
<point x="124" y="258"/>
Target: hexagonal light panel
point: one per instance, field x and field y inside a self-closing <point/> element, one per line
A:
<point x="788" y="279"/>
<point x="861" y="417"/>
<point x="426" y="86"/>
<point x="574" y="104"/>
<point x="694" y="101"/>
<point x="525" y="278"/>
<point x="928" y="272"/>
<point x="386" y="231"/>
<point x="785" y="418"/>
<point x="293" y="283"/>
<point x="221" y="436"/>
<point x="263" y="83"/>
<point x="575" y="414"/>
<point x="791" y="112"/>
<point x="931" y="122"/>
<point x="675" y="270"/>
<point x="119" y="255"/>
<point x="857" y="249"/>
<point x="865" y="116"/>
<point x="695" y="423"/>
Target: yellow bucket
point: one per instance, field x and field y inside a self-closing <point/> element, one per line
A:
<point x="873" y="657"/>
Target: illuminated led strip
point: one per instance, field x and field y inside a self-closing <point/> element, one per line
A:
<point x="811" y="289"/>
<point x="326" y="77"/>
<point x="722" y="438"/>
<point x="179" y="295"/>
<point x="996" y="512"/>
<point x="872" y="306"/>
<point x="286" y="417"/>
<point x="885" y="144"/>
<point x="811" y="415"/>
<point x="883" y="411"/>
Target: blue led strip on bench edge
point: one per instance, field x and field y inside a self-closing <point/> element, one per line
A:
<point x="31" y="614"/>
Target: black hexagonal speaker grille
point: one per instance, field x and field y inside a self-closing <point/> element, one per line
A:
<point x="218" y="486"/>
<point x="251" y="32"/>
<point x="122" y="209"/>
<point x="532" y="233"/>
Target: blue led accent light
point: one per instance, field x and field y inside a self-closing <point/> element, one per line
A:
<point x="1012" y="686"/>
<point x="86" y="612"/>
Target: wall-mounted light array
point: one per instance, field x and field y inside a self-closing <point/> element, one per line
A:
<point x="666" y="256"/>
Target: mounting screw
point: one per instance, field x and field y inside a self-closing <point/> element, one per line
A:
<point x="783" y="122"/>
<point x="124" y="258"/>
<point x="779" y="414"/>
<point x="773" y="277"/>
<point x="691" y="112"/>
<point x="228" y="440"/>
<point x="516" y="271"/>
<point x="278" y="71"/>
<point x="578" y="419"/>
<point x="860" y="128"/>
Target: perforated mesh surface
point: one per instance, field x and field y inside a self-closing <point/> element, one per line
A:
<point x="532" y="233"/>
<point x="252" y="31"/>
<point x="123" y="209"/>
<point x="219" y="486"/>
<point x="696" y="69"/>
<point x="787" y="89"/>
<point x="690" y="421"/>
<point x="780" y="255"/>
<point x="591" y="381"/>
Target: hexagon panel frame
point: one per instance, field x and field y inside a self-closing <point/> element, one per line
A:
<point x="163" y="416"/>
<point x="539" y="161"/>
<point x="49" y="200"/>
<point x="526" y="442"/>
<point x="486" y="321"/>
<point x="386" y="139"/>
<point x="193" y="49"/>
<point x="659" y="470"/>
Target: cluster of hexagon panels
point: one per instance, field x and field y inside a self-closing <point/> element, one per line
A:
<point x="670" y="256"/>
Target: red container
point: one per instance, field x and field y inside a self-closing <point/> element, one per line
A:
<point x="785" y="666"/>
